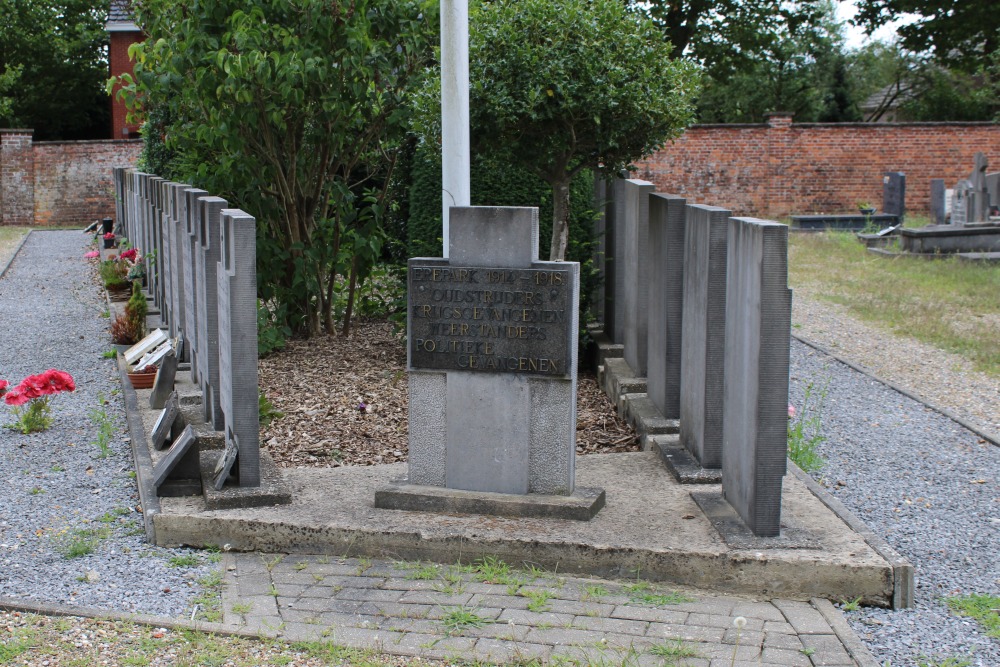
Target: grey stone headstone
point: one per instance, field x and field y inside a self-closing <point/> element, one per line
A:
<point x="163" y="386"/>
<point x="507" y="423"/>
<point x="993" y="192"/>
<point x="189" y="239"/>
<point x="179" y="259"/>
<point x="703" y="333"/>
<point x="238" y="391"/>
<point x="599" y="256"/>
<point x="614" y="239"/>
<point x="181" y="461"/>
<point x="977" y="208"/>
<point x="758" y="330"/>
<point x="937" y="201"/>
<point x="207" y="302"/>
<point x="637" y="269"/>
<point x="666" y="299"/>
<point x="960" y="203"/>
<point x="894" y="193"/>
<point x="169" y="423"/>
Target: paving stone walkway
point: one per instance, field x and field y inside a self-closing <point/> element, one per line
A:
<point x="489" y="611"/>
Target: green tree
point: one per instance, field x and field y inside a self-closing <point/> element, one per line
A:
<point x="53" y="63"/>
<point x="559" y="86"/>
<point x="959" y="33"/>
<point x="293" y="110"/>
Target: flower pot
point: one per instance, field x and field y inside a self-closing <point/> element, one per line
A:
<point x="142" y="380"/>
<point x="108" y="243"/>
<point x="867" y="211"/>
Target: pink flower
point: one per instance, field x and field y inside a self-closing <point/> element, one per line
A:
<point x="129" y="254"/>
<point x="109" y="236"/>
<point x="791" y="411"/>
<point x="93" y="254"/>
<point x="15" y="397"/>
<point x="57" y="381"/>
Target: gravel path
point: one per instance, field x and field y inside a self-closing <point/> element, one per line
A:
<point x="58" y="494"/>
<point x="929" y="487"/>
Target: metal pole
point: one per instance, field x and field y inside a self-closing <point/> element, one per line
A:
<point x="455" y="159"/>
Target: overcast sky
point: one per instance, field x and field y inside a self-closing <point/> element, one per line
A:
<point x="856" y="36"/>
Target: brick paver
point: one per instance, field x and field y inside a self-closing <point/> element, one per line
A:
<point x="501" y="615"/>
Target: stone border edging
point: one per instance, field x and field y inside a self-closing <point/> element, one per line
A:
<point x="97" y="613"/>
<point x="992" y="438"/>
<point x="10" y="261"/>
<point x="855" y="647"/>
<point x="902" y="570"/>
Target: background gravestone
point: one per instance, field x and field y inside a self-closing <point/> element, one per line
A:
<point x="977" y="204"/>
<point x="636" y="268"/>
<point x="238" y="389"/>
<point x="894" y="194"/>
<point x="993" y="192"/>
<point x="189" y="239"/>
<point x="614" y="241"/>
<point x="207" y="302"/>
<point x="960" y="202"/>
<point x="937" y="201"/>
<point x="496" y="410"/>
<point x="600" y="246"/>
<point x="703" y="337"/>
<point x="758" y="330"/>
<point x="666" y="299"/>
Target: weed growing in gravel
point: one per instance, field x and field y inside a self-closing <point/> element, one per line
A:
<point x="950" y="661"/>
<point x="595" y="591"/>
<point x="457" y="619"/>
<point x="538" y="601"/>
<point x="643" y="592"/>
<point x="18" y="643"/>
<point x="208" y="605"/>
<point x="424" y="572"/>
<point x="804" y="432"/>
<point x="105" y="429"/>
<point x="84" y="541"/>
<point x="492" y="570"/>
<point x="187" y="560"/>
<point x="36" y="491"/>
<point x="851" y="605"/>
<point x="57" y="468"/>
<point x="109" y="354"/>
<point x="242" y="608"/>
<point x="983" y="608"/>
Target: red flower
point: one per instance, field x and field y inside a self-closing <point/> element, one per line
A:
<point x="109" y="235"/>
<point x="129" y="254"/>
<point x="15" y="397"/>
<point x="3" y="387"/>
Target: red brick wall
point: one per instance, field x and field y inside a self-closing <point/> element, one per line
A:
<point x="73" y="179"/>
<point x="120" y="63"/>
<point x="16" y="177"/>
<point x="779" y="168"/>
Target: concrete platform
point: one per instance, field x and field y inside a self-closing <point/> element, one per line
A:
<point x="651" y="525"/>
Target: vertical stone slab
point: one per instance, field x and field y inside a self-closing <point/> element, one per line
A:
<point x="993" y="192"/>
<point x="636" y="269"/>
<point x="172" y="261"/>
<point x="207" y="336"/>
<point x="614" y="309"/>
<point x="667" y="218"/>
<point x="937" y="201"/>
<point x="599" y="255"/>
<point x="484" y="411"/>
<point x="189" y="240"/>
<point x="703" y="333"/>
<point x="758" y="326"/>
<point x="894" y="193"/>
<point x="238" y="393"/>
<point x="156" y="247"/>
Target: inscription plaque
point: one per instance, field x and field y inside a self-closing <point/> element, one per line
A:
<point x="493" y="320"/>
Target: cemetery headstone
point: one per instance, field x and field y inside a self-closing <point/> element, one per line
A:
<point x="758" y="326"/>
<point x="960" y="202"/>
<point x="666" y="299"/>
<point x="894" y="193"/>
<point x="993" y="192"/>
<point x="937" y="201"/>
<point x="237" y="307"/>
<point x="614" y="309"/>
<point x="169" y="423"/>
<point x="207" y="302"/>
<point x="492" y="357"/>
<point x="190" y="241"/>
<point x="178" y="473"/>
<point x="163" y="386"/>
<point x="636" y="267"/>
<point x="703" y="333"/>
<point x="977" y="205"/>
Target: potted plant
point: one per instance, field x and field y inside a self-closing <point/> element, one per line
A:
<point x="866" y="208"/>
<point x="109" y="240"/>
<point x="143" y="378"/>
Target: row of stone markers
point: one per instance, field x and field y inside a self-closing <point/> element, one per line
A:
<point x="201" y="279"/>
<point x="697" y="318"/>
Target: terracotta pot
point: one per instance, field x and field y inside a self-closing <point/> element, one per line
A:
<point x="142" y="380"/>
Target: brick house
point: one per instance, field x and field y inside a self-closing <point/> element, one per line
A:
<point x="123" y="33"/>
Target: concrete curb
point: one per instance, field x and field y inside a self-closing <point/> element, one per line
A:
<point x="902" y="570"/>
<point x="10" y="261"/>
<point x="857" y="650"/>
<point x="56" y="609"/>
<point x="992" y="438"/>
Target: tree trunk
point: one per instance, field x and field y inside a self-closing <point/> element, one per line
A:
<point x="560" y="220"/>
<point x="352" y="285"/>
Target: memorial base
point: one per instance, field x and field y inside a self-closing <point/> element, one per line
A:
<point x="582" y="505"/>
<point x="273" y="489"/>
<point x="738" y="536"/>
<point x="681" y="464"/>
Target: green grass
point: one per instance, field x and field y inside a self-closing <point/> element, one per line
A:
<point x="673" y="650"/>
<point x="424" y="573"/>
<point x="186" y="560"/>
<point x="644" y="593"/>
<point x="492" y="570"/>
<point x="944" y="302"/>
<point x="83" y="541"/>
<point x="851" y="605"/>
<point x="950" y="661"/>
<point x="984" y="608"/>
<point x="208" y="605"/>
<point x="805" y="432"/>
<point x="109" y="354"/>
<point x="538" y="601"/>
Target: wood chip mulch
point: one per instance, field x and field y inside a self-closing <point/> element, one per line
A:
<point x="344" y="402"/>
